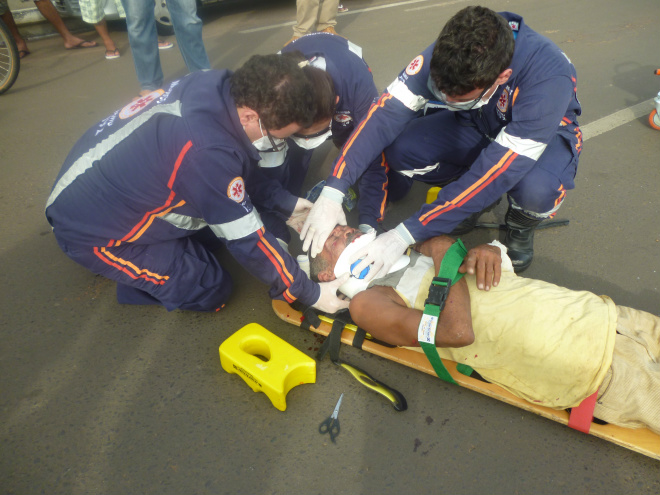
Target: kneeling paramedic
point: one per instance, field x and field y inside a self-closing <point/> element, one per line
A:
<point x="146" y="194"/>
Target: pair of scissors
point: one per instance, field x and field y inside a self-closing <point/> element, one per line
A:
<point x="331" y="424"/>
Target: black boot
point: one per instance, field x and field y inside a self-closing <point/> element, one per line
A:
<point x="519" y="238"/>
<point x="470" y="222"/>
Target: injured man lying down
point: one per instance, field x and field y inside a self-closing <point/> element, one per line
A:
<point x="546" y="344"/>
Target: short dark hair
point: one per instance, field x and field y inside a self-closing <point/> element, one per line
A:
<point x="473" y="49"/>
<point x="325" y="98"/>
<point x="276" y="88"/>
<point x="324" y="91"/>
<point x="316" y="266"/>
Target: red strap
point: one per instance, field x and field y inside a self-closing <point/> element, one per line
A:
<point x="582" y="415"/>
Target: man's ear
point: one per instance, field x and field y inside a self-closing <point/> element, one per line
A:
<point x="504" y="77"/>
<point x="247" y="116"/>
<point x="327" y="275"/>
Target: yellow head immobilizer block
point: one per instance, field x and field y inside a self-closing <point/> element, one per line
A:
<point x="267" y="363"/>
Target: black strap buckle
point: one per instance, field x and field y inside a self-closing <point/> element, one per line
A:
<point x="438" y="292"/>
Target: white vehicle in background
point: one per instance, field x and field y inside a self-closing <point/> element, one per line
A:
<point x="25" y="12"/>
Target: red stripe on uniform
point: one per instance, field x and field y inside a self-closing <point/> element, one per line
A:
<point x="385" y="184"/>
<point x="341" y="163"/>
<point x="274" y="262"/>
<point x="276" y="255"/>
<point x="288" y="297"/>
<point x="170" y="198"/>
<point x="473" y="190"/>
<point x="125" y="270"/>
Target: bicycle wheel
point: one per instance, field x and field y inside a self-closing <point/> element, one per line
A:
<point x="10" y="63"/>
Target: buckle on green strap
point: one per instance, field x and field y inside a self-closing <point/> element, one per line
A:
<point x="433" y="306"/>
<point x="438" y="292"/>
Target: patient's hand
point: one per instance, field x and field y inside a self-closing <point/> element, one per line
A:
<point x="485" y="262"/>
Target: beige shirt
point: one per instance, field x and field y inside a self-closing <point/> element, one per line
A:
<point x="544" y="343"/>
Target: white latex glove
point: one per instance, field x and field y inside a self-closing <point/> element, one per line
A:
<point x="299" y="215"/>
<point x="328" y="301"/>
<point x="383" y="251"/>
<point x="326" y="213"/>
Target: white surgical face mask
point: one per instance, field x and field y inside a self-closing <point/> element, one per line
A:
<point x="271" y="158"/>
<point x="457" y="106"/>
<point x="311" y="142"/>
<point x="266" y="142"/>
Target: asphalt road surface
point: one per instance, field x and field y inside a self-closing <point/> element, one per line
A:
<point x="109" y="399"/>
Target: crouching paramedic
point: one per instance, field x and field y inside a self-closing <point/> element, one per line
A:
<point x="546" y="344"/>
<point x="146" y="194"/>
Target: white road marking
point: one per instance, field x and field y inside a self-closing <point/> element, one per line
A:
<point x="590" y="130"/>
<point x="350" y="12"/>
<point x="612" y="121"/>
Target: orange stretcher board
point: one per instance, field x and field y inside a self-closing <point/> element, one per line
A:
<point x="641" y="440"/>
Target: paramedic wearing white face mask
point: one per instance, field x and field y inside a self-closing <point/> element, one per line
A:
<point x="175" y="182"/>
<point x="489" y="109"/>
<point x="345" y="91"/>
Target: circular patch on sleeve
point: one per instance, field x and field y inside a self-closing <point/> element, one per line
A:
<point x="415" y="66"/>
<point x="236" y="190"/>
<point x="503" y="101"/>
<point x="137" y="105"/>
<point x="343" y="119"/>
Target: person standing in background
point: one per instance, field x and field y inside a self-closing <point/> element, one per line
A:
<point x="314" y="15"/>
<point x="49" y="11"/>
<point x="93" y="13"/>
<point x="143" y="38"/>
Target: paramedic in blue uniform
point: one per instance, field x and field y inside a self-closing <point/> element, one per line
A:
<point x="146" y="194"/>
<point x="491" y="107"/>
<point x="345" y="91"/>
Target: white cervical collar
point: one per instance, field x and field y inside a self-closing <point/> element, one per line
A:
<point x="354" y="284"/>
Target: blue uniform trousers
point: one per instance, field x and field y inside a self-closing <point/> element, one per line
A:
<point x="178" y="273"/>
<point x="444" y="139"/>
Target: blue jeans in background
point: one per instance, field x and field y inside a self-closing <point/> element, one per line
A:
<point x="143" y="38"/>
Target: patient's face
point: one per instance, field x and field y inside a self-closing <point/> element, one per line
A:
<point x="339" y="238"/>
<point x="324" y="263"/>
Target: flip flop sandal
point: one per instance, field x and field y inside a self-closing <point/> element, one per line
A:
<point x="83" y="44"/>
<point x="112" y="54"/>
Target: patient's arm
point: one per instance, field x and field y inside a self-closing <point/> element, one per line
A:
<point x="381" y="312"/>
<point x="485" y="263"/>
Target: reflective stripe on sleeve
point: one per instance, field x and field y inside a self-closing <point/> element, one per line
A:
<point x="418" y="171"/>
<point x="318" y="63"/>
<point x="86" y="161"/>
<point x="355" y="48"/>
<point x="184" y="221"/>
<point x="525" y="147"/>
<point x="239" y="228"/>
<point x="402" y="93"/>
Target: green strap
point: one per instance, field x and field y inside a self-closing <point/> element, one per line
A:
<point x="447" y="276"/>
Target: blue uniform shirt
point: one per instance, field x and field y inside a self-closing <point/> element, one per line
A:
<point x="357" y="92"/>
<point x="537" y="102"/>
<point x="166" y="166"/>
<point x="351" y="76"/>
